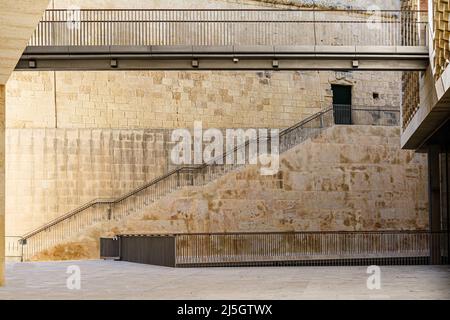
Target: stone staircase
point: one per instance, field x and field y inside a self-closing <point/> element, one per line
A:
<point x="99" y="211"/>
<point x="75" y="235"/>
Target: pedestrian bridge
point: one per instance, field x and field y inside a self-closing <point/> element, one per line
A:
<point x="233" y="39"/>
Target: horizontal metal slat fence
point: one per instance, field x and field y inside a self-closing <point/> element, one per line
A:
<point x="229" y="27"/>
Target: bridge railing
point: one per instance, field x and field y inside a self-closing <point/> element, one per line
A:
<point x="241" y="27"/>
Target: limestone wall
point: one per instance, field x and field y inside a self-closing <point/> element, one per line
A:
<point x="152" y="99"/>
<point x="52" y="171"/>
<point x="63" y="136"/>
<point x="76" y="136"/>
<point x="348" y="178"/>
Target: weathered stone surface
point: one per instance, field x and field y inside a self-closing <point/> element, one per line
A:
<point x="53" y="171"/>
<point x="151" y="99"/>
<point x="64" y="149"/>
<point x="348" y="178"/>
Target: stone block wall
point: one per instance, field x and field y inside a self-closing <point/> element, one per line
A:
<point x="31" y="100"/>
<point x="76" y="136"/>
<point x="349" y="178"/>
<point x="64" y="126"/>
<point x="152" y="99"/>
<point x="52" y="171"/>
<point x="67" y="129"/>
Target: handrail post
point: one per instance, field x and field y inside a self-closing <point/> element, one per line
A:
<point x="23" y="242"/>
<point x="120" y="247"/>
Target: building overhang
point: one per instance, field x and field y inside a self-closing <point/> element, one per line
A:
<point x="18" y="20"/>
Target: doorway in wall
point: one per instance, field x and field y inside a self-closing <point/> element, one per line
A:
<point x="342" y="104"/>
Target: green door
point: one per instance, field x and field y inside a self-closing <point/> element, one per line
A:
<point x="342" y="104"/>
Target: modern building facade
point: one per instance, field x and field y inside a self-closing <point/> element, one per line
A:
<point x="426" y="121"/>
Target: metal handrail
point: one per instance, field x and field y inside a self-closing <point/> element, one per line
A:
<point x="191" y="170"/>
<point x="162" y="177"/>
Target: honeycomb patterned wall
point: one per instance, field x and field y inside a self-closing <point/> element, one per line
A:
<point x="410" y="96"/>
<point x="441" y="13"/>
<point x="441" y="55"/>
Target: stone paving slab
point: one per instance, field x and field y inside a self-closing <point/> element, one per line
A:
<point x="124" y="280"/>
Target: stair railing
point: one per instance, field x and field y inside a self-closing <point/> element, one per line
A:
<point x="101" y="210"/>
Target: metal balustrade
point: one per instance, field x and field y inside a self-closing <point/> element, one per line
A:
<point x="308" y="248"/>
<point x="344" y="114"/>
<point x="230" y="27"/>
<point x="103" y="210"/>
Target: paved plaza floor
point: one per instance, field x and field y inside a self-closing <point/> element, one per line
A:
<point x="124" y="280"/>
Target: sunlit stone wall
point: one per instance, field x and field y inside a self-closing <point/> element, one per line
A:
<point x="349" y="178"/>
<point x="75" y="136"/>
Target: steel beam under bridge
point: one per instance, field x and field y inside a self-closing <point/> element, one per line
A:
<point x="382" y="58"/>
